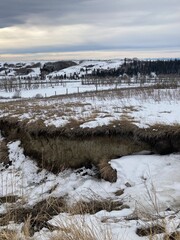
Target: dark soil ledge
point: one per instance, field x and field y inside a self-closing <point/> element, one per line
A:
<point x="59" y="148"/>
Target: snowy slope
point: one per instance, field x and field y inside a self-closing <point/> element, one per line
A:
<point x="151" y="178"/>
<point x="78" y="69"/>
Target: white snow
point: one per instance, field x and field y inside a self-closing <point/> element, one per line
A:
<point x="143" y="108"/>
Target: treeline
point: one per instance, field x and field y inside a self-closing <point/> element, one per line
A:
<point x="136" y="67"/>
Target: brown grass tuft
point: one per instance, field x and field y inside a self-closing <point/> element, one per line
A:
<point x="92" y="206"/>
<point x="7" y="234"/>
<point x="34" y="218"/>
<point x="107" y="172"/>
<point x="172" y="236"/>
<point x="150" y="231"/>
<point x="80" y="230"/>
<point x="119" y="192"/>
<point x="9" y="199"/>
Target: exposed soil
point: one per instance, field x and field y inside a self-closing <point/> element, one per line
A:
<point x="59" y="148"/>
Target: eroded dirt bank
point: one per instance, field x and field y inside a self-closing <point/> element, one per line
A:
<point x="59" y="148"/>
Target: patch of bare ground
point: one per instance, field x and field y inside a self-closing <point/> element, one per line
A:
<point x="37" y="216"/>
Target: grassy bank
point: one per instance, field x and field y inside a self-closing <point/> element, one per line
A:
<point x="59" y="148"/>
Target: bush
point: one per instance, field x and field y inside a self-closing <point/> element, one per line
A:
<point x="38" y="95"/>
<point x="17" y="94"/>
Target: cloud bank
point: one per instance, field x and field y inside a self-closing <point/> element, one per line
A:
<point x="43" y="26"/>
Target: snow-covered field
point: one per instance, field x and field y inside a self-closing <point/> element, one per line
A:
<point x="66" y="86"/>
<point x="64" y="89"/>
<point x="142" y="107"/>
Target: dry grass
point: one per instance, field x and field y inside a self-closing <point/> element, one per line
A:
<point x="153" y="220"/>
<point x="34" y="218"/>
<point x="72" y="105"/>
<point x="56" y="149"/>
<point x="80" y="230"/>
<point x="107" y="172"/>
<point x="59" y="153"/>
<point x="9" y="199"/>
<point x="172" y="236"/>
<point x="7" y="234"/>
<point x="59" y="148"/>
<point x="119" y="192"/>
<point x="26" y="229"/>
<point x="95" y="204"/>
<point x="81" y="146"/>
<point x="150" y="230"/>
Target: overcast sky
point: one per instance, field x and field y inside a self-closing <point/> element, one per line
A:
<point x="50" y="29"/>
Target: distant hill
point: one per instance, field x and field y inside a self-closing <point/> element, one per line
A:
<point x="95" y="68"/>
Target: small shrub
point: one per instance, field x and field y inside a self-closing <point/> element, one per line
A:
<point x="38" y="96"/>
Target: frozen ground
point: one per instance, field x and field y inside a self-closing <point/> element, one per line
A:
<point x="153" y="186"/>
<point x="142" y="107"/>
<point x="65" y="89"/>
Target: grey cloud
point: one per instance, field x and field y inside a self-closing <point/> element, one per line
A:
<point x="99" y="12"/>
<point x="126" y="24"/>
